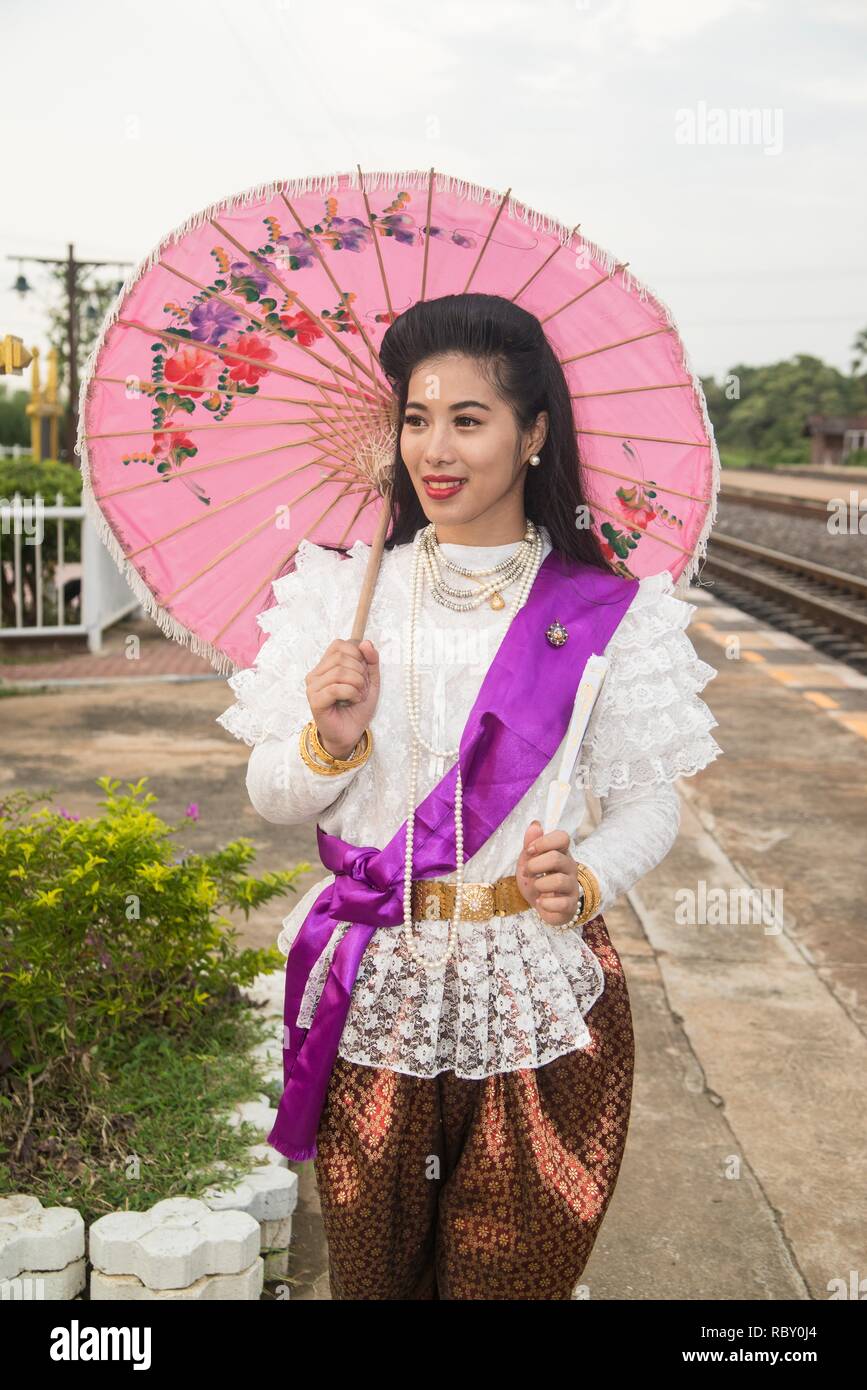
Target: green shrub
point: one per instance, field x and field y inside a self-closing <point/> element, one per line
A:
<point x="47" y="478"/>
<point x="109" y="936"/>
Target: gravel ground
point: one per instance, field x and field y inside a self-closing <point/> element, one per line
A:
<point x="796" y="535"/>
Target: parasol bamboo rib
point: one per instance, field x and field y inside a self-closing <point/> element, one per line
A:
<point x="241" y="541"/>
<point x="591" y="352"/>
<point x="260" y="395"/>
<point x="627" y="390"/>
<point x="325" y="432"/>
<point x="347" y="530"/>
<point x="603" y="280"/>
<point x="371" y="411"/>
<point x="284" y="333"/>
<point x="374" y="359"/>
<point x="649" y="438"/>
<point x="323" y="422"/>
<point x="663" y="540"/>
<point x="643" y="482"/>
<point x="327" y="436"/>
<point x="259" y="323"/>
<point x="483" y="248"/>
<point x="222" y="425"/>
<point x="349" y="429"/>
<point x="295" y="298"/>
<point x="235" y="356"/>
<point x="316" y="318"/>
<point x="250" y="597"/>
<point x="375" y="557"/>
<point x="217" y="463"/>
<point x="291" y="294"/>
<point x="427" y="234"/>
<point x="376" y="246"/>
<point x="551" y="254"/>
<point x="223" y="506"/>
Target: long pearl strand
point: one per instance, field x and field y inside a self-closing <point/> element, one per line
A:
<point x="532" y="561"/>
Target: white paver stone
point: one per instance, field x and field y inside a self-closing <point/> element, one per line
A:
<point x="46" y="1285"/>
<point x="174" y="1243"/>
<point x="33" y="1237"/>
<point x="259" y="1112"/>
<point x="268" y="1193"/>
<point x="124" y="1288"/>
<point x="277" y="1235"/>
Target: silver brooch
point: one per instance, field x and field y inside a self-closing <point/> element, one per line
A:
<point x="556" y="634"/>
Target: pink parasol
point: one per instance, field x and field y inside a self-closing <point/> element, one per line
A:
<point x="233" y="404"/>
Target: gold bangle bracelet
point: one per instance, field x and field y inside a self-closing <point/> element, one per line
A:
<point x="592" y="892"/>
<point x="359" y="754"/>
<point x="322" y="752"/>
<point x="591" y="906"/>
<point x="357" y="757"/>
<point x="334" y="766"/>
<point x="328" y="766"/>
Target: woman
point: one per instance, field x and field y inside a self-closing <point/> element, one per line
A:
<point x="477" y="1106"/>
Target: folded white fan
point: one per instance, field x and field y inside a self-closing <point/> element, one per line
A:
<point x="585" y="698"/>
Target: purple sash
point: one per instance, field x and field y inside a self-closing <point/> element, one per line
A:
<point x="515" y="727"/>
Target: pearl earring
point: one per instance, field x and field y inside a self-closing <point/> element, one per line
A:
<point x="535" y="460"/>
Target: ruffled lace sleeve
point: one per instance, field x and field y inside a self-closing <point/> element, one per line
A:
<point x="648" y="728"/>
<point x="649" y="724"/>
<point x="271" y="707"/>
<point x="637" y="830"/>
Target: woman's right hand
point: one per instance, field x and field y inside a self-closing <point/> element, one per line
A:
<point x="347" y="671"/>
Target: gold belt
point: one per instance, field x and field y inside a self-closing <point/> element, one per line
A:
<point x="434" y="899"/>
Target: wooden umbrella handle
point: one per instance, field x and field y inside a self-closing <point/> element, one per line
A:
<point x="371" y="574"/>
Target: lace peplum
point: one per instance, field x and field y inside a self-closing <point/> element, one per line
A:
<point x="516" y="991"/>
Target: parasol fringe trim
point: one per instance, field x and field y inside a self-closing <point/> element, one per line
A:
<point x="699" y="551"/>
<point x="329" y="183"/>
<point x="164" y="619"/>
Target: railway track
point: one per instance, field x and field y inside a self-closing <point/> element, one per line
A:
<point x="822" y="606"/>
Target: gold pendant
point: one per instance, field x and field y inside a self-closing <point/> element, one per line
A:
<point x="497" y="601"/>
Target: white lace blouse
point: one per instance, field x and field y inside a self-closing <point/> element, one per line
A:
<point x="516" y="991"/>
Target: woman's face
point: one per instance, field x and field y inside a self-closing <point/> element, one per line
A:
<point x="456" y="427"/>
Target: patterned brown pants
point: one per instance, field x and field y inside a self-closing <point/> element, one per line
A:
<point x="445" y="1187"/>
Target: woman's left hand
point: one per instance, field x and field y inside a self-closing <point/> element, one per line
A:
<point x="546" y="875"/>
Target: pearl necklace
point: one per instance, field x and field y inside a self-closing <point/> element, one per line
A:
<point x="532" y="559"/>
<point x="464" y="600"/>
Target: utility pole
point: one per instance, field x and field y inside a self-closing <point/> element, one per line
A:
<point x="72" y="267"/>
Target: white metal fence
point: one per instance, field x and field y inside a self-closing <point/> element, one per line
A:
<point x="44" y="594"/>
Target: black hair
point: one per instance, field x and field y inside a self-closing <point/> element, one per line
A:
<point x="510" y="345"/>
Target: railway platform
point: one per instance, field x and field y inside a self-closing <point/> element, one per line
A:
<point x="807" y="487"/>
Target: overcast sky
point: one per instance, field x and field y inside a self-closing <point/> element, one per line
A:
<point x="120" y="120"/>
